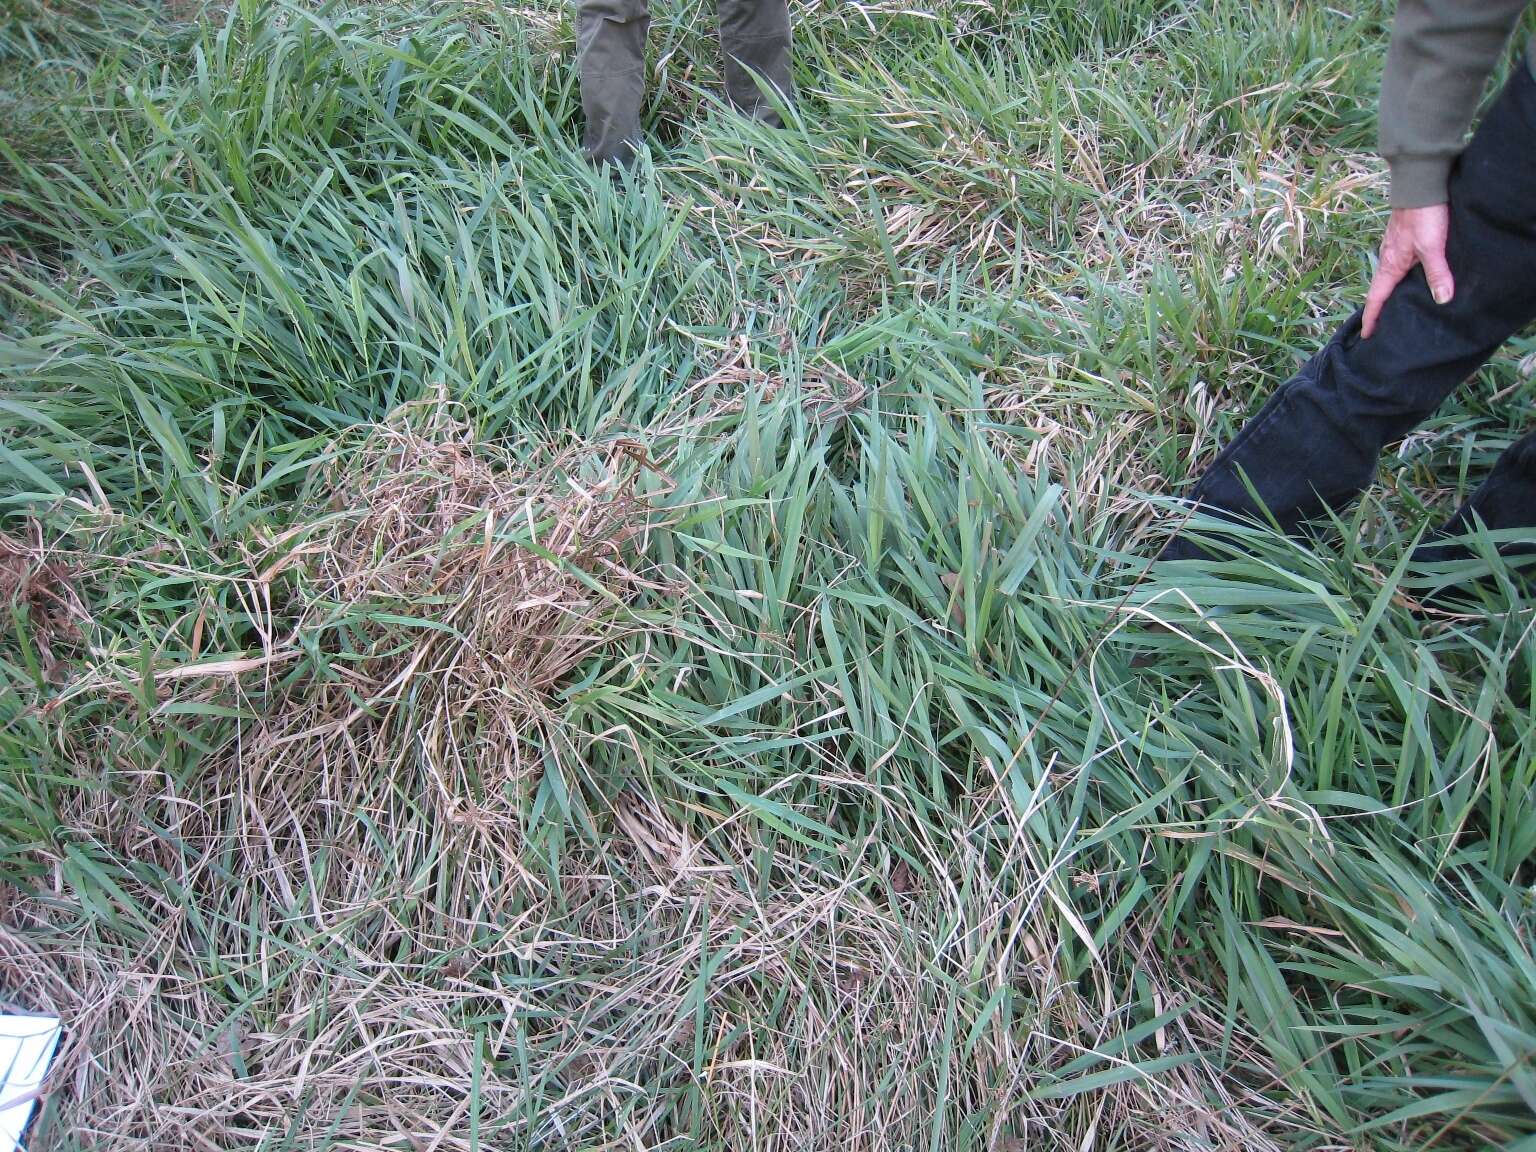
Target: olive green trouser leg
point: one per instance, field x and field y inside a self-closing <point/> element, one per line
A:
<point x="610" y="53"/>
<point x="754" y="39"/>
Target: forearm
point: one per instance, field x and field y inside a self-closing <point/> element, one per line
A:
<point x="1442" y="53"/>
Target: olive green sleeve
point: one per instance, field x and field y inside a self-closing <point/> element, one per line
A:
<point x="1442" y="52"/>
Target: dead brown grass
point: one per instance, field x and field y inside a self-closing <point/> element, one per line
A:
<point x="455" y="585"/>
<point x="39" y="585"/>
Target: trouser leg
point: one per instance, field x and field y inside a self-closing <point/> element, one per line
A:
<point x="610" y="45"/>
<point x="754" y="41"/>
<point x="1506" y="499"/>
<point x="1315" y="444"/>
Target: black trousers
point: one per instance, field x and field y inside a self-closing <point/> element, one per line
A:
<point x="1315" y="444"/>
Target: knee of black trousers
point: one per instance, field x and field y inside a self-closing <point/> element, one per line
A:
<point x="1380" y="389"/>
<point x="1369" y="383"/>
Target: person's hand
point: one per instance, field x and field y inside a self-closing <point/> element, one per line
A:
<point x="1414" y="236"/>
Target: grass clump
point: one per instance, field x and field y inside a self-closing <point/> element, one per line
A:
<point x="527" y="565"/>
<point x="503" y="660"/>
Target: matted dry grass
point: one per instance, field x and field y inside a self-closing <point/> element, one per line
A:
<point x="456" y="585"/>
<point x="38" y="585"/>
<point x="665" y="987"/>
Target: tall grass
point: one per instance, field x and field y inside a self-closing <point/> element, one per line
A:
<point x="736" y="713"/>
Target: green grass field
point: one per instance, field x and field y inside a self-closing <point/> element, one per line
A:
<point x="494" y="660"/>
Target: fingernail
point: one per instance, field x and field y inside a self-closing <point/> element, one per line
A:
<point x="1442" y="294"/>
